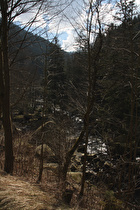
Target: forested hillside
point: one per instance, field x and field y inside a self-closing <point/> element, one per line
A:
<point x="29" y="55"/>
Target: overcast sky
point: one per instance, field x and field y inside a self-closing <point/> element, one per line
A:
<point x="60" y="25"/>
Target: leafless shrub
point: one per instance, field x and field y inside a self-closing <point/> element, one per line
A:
<point x="24" y="163"/>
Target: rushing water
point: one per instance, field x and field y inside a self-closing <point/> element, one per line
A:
<point x="96" y="146"/>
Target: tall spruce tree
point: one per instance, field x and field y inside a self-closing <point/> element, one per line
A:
<point x="56" y="77"/>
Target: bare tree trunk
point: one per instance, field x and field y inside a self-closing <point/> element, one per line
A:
<point x="70" y="153"/>
<point x="41" y="162"/>
<point x="1" y="82"/>
<point x="9" y="159"/>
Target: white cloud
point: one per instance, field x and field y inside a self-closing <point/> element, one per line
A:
<point x="78" y="19"/>
<point x="63" y="24"/>
<point x="138" y="5"/>
<point x="69" y="43"/>
<point x="26" y="18"/>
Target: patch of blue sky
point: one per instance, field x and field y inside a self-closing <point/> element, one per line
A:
<point x="62" y="36"/>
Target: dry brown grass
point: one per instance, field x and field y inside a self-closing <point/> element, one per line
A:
<point x="17" y="194"/>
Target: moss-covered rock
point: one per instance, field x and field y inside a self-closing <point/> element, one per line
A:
<point x="76" y="176"/>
